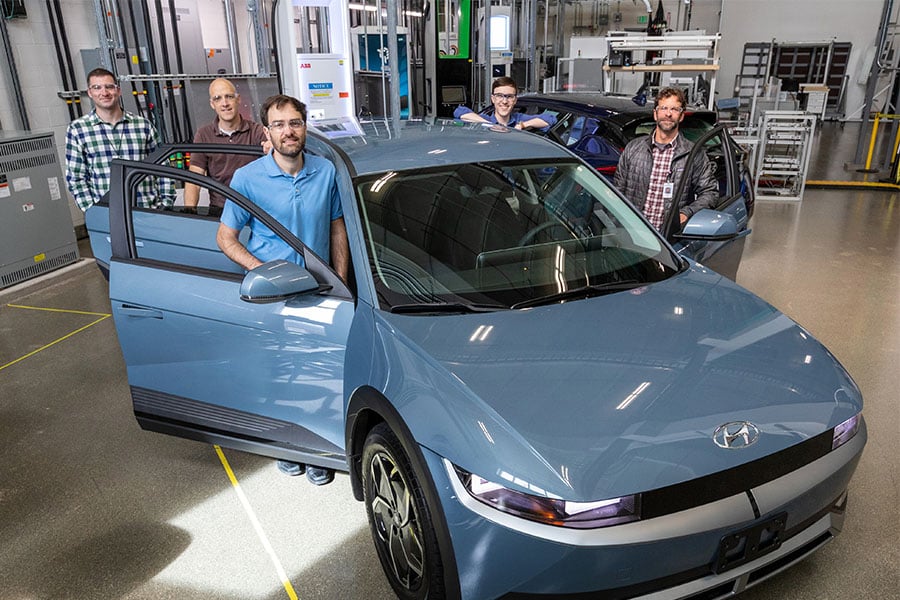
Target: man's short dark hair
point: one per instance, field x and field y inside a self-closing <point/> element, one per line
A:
<point x="504" y="82"/>
<point x="671" y="92"/>
<point x="278" y="101"/>
<point x="100" y="72"/>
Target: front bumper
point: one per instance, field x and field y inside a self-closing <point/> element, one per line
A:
<point x="667" y="557"/>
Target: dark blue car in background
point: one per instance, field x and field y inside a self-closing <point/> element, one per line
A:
<point x="597" y="126"/>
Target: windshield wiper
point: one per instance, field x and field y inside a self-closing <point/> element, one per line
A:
<point x="586" y="291"/>
<point x="445" y="307"/>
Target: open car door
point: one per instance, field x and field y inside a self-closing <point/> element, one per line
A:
<point x="263" y="375"/>
<point x="721" y="255"/>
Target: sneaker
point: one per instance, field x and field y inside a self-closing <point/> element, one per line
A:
<point x="290" y="468"/>
<point x="319" y="476"/>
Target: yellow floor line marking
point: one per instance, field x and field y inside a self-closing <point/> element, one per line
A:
<point x="62" y="310"/>
<point x="103" y="316"/>
<point x="257" y="526"/>
<point x="869" y="184"/>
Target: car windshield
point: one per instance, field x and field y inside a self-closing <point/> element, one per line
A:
<point x="485" y="236"/>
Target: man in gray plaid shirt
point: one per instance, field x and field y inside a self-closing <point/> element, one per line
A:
<point x="109" y="132"/>
<point x="652" y="166"/>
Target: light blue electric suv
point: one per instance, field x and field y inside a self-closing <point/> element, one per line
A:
<point x="534" y="393"/>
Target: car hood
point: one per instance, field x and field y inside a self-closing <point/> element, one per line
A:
<point x="612" y="395"/>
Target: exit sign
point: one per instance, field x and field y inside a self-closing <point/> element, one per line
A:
<point x="643" y="19"/>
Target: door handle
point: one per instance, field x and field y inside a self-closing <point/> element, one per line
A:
<point x="129" y="310"/>
<point x="138" y="243"/>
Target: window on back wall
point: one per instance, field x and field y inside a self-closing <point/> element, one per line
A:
<point x="814" y="63"/>
<point x="794" y="64"/>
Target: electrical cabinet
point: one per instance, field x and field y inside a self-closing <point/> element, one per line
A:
<point x="784" y="149"/>
<point x="36" y="233"/>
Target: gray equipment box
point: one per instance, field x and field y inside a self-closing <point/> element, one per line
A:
<point x="36" y="233"/>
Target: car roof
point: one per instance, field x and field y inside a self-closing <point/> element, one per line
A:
<point x="597" y="100"/>
<point x="417" y="145"/>
<point x="619" y="109"/>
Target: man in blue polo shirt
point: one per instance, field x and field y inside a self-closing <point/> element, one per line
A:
<point x="299" y="190"/>
<point x="296" y="188"/>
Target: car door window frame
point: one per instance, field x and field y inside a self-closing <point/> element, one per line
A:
<point x="670" y="227"/>
<point x="124" y="177"/>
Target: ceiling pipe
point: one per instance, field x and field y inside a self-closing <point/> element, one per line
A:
<point x="59" y="60"/>
<point x="14" y="77"/>
<point x="231" y="32"/>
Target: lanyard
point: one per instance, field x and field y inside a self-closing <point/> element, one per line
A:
<point x="117" y="145"/>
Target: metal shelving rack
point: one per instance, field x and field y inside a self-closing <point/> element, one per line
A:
<point x="783" y="157"/>
<point x="669" y="48"/>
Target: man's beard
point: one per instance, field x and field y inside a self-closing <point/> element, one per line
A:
<point x="667" y="126"/>
<point x="294" y="153"/>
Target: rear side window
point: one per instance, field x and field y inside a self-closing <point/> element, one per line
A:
<point x="693" y="126"/>
<point x="576" y="127"/>
<point x="181" y="235"/>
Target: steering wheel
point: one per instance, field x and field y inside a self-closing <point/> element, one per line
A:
<point x="534" y="231"/>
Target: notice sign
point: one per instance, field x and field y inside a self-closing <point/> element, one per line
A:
<point x="4" y="187"/>
<point x="53" y="183"/>
<point x="321" y="92"/>
<point x="20" y="184"/>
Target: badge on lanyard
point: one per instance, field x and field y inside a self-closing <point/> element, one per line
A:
<point x="668" y="190"/>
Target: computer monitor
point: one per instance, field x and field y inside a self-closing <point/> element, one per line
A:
<point x="790" y="85"/>
<point x="453" y="94"/>
<point x="499" y="32"/>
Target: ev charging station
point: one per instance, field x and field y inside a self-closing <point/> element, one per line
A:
<point x="500" y="41"/>
<point x="449" y="77"/>
<point x="472" y="46"/>
<point x="320" y="70"/>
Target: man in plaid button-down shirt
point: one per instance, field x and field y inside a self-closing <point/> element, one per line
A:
<point x="109" y="132"/>
<point x="651" y="167"/>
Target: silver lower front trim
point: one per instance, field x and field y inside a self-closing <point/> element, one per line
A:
<point x="741" y="578"/>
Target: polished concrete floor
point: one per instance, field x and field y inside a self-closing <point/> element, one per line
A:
<point x="91" y="507"/>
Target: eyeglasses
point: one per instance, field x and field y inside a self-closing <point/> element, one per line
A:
<point x="505" y="96"/>
<point x="229" y="97"/>
<point x="670" y="109"/>
<point x="294" y="124"/>
<point x="108" y="87"/>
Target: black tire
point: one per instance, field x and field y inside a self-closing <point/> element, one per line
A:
<point x="400" y="519"/>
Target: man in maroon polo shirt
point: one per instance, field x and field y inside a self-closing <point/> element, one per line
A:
<point x="227" y="128"/>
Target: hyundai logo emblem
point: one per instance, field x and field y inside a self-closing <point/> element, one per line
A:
<point x="736" y="434"/>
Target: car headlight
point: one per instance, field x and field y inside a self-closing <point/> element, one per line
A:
<point x="845" y="431"/>
<point x="552" y="511"/>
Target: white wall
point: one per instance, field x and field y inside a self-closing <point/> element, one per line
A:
<point x="215" y="30"/>
<point x="854" y="21"/>
<point x="704" y="15"/>
<point x="212" y="17"/>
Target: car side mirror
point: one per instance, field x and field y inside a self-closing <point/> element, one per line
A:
<point x="276" y="280"/>
<point x="709" y="225"/>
